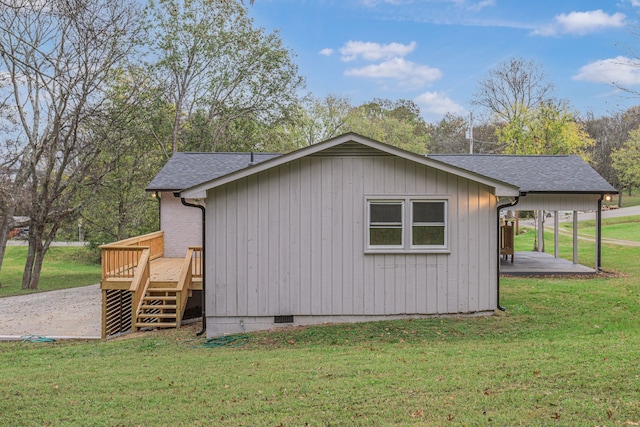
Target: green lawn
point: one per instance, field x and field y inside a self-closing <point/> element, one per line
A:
<point x="625" y="228"/>
<point x="632" y="200"/>
<point x="64" y="267"/>
<point x="627" y="200"/>
<point x="565" y="353"/>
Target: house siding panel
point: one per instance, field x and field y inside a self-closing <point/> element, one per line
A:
<point x="290" y="241"/>
<point x="252" y="239"/>
<point x="459" y="300"/>
<point x="232" y="303"/>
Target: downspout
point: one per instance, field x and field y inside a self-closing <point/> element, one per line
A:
<point x="204" y="269"/>
<point x="599" y="235"/>
<point x="499" y="208"/>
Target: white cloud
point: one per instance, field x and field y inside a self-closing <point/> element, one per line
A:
<point x="407" y="73"/>
<point x="619" y="70"/>
<point x="438" y="103"/>
<point x="581" y="23"/>
<point x="326" y="51"/>
<point x="635" y="2"/>
<point x="373" y="3"/>
<point x="482" y="4"/>
<point x="374" y="51"/>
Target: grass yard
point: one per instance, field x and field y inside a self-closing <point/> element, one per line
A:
<point x="64" y="267"/>
<point x="565" y="353"/>
<point x="629" y="200"/>
<point x="613" y="228"/>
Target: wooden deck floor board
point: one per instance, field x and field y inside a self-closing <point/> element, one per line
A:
<point x="166" y="269"/>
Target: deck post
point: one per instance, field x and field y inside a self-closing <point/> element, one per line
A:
<point x="104" y="313"/>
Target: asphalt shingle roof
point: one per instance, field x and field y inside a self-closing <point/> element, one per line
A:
<point x="185" y="170"/>
<point x="534" y="174"/>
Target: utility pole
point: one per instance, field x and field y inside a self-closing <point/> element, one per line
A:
<point x="470" y="132"/>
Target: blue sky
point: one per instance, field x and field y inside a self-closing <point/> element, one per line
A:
<point x="435" y="52"/>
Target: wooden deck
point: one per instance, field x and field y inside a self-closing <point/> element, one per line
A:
<point x="143" y="289"/>
<point x="168" y="270"/>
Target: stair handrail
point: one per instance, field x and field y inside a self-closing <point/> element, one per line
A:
<point x="186" y="275"/>
<point x="197" y="264"/>
<point x="140" y="283"/>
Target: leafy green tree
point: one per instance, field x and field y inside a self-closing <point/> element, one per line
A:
<point x="626" y="161"/>
<point x="397" y="123"/>
<point x="216" y="69"/>
<point x="122" y="208"/>
<point x="449" y="135"/>
<point x="610" y="132"/>
<point x="548" y="129"/>
<point x="323" y="118"/>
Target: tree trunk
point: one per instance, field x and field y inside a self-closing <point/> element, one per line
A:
<point x="33" y="267"/>
<point x="27" y="274"/>
<point x="5" y="228"/>
<point x="4" y="237"/>
<point x="37" y="267"/>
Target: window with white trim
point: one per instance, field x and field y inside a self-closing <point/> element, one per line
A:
<point x="428" y="225"/>
<point x="386" y="224"/>
<point x="407" y="224"/>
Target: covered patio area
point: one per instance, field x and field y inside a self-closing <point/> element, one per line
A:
<point x="541" y="264"/>
<point x="548" y="185"/>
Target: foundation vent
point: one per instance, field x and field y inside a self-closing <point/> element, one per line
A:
<point x="283" y="319"/>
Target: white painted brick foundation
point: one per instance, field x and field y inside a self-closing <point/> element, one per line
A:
<point x="182" y="226"/>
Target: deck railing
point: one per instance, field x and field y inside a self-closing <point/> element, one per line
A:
<point x="186" y="275"/>
<point x="120" y="259"/>
<point x="196" y="265"/>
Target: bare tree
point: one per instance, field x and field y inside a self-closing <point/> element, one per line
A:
<point x="59" y="57"/>
<point x="513" y="88"/>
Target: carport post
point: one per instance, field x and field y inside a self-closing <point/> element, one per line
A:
<point x="599" y="235"/>
<point x="540" y="231"/>
<point x="575" y="237"/>
<point x="556" y="241"/>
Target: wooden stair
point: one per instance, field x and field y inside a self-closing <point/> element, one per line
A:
<point x="159" y="307"/>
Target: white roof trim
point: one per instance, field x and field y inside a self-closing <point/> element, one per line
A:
<point x="501" y="188"/>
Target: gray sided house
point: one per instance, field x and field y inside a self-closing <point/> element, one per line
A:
<point x="346" y="230"/>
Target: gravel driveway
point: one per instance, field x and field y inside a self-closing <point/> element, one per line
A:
<point x="67" y="313"/>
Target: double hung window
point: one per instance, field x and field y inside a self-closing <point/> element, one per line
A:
<point x="407" y="224"/>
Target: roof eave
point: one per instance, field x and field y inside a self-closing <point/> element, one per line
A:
<point x="595" y="192"/>
<point x="501" y="188"/>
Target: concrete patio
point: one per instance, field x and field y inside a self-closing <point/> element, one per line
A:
<point x="540" y="264"/>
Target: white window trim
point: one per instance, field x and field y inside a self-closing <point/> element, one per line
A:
<point x="407" y="225"/>
<point x="445" y="246"/>
<point x="402" y="224"/>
